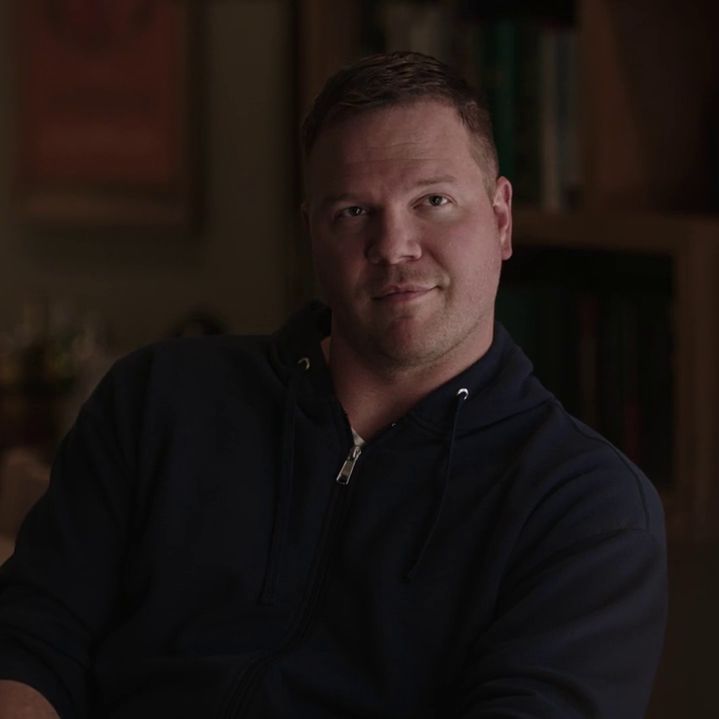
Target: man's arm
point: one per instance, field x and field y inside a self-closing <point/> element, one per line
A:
<point x="59" y="590"/>
<point x="579" y="618"/>
<point x="577" y="636"/>
<point x="20" y="701"/>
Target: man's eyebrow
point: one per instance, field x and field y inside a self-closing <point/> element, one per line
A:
<point x="438" y="180"/>
<point x="350" y="197"/>
<point x="334" y="199"/>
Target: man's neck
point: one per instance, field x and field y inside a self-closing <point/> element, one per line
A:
<point x="374" y="399"/>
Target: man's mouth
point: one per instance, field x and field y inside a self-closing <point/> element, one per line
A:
<point x="402" y="293"/>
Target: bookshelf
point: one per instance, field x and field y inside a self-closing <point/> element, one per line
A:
<point x="634" y="229"/>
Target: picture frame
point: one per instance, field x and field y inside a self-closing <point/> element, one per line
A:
<point x="107" y="129"/>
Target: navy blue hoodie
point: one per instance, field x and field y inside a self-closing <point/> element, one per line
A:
<point x="196" y="555"/>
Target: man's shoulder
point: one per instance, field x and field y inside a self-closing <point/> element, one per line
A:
<point x="178" y="355"/>
<point x="581" y="483"/>
<point x="184" y="371"/>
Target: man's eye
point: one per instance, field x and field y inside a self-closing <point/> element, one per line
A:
<point x="353" y="211"/>
<point x="437" y="200"/>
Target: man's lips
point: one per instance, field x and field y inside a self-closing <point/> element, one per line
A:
<point x="400" y="293"/>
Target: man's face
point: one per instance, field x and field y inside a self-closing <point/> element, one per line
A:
<point x="407" y="241"/>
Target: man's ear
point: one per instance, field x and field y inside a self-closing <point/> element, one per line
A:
<point x="502" y="207"/>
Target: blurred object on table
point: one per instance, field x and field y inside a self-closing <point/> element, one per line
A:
<point x="49" y="363"/>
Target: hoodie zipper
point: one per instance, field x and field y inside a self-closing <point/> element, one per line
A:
<point x="348" y="466"/>
<point x="241" y="697"/>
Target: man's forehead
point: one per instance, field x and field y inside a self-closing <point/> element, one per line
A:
<point x="418" y="139"/>
<point x="397" y="144"/>
<point x="395" y="127"/>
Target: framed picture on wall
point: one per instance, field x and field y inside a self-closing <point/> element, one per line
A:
<point x="107" y="114"/>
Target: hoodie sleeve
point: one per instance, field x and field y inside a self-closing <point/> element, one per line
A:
<point x="58" y="591"/>
<point x="578" y="630"/>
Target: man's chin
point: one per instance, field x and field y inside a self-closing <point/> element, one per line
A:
<point x="396" y="342"/>
<point x="402" y="349"/>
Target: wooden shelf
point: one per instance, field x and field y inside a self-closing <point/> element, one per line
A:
<point x="650" y="232"/>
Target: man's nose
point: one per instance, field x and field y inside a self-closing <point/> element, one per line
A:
<point x="394" y="239"/>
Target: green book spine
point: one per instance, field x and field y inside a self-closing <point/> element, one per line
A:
<point x="516" y="309"/>
<point x="497" y="63"/>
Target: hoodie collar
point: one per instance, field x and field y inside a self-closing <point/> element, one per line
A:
<point x="501" y="383"/>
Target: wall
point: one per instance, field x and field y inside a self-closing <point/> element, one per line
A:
<point x="684" y="686"/>
<point x="141" y="285"/>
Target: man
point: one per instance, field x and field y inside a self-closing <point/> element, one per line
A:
<point x="377" y="512"/>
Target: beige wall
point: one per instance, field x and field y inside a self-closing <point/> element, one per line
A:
<point x="236" y="266"/>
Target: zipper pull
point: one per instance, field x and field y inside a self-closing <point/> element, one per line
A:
<point x="345" y="473"/>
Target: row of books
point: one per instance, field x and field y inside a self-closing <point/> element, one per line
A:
<point x="606" y="353"/>
<point x="528" y="72"/>
<point x="527" y="68"/>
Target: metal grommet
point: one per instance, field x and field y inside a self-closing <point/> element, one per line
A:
<point x="304" y="362"/>
<point x="463" y="393"/>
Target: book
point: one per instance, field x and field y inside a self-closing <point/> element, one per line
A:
<point x="420" y="27"/>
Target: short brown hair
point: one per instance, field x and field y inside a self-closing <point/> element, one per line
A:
<point x="398" y="78"/>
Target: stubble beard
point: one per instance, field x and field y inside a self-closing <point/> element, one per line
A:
<point x="410" y="342"/>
